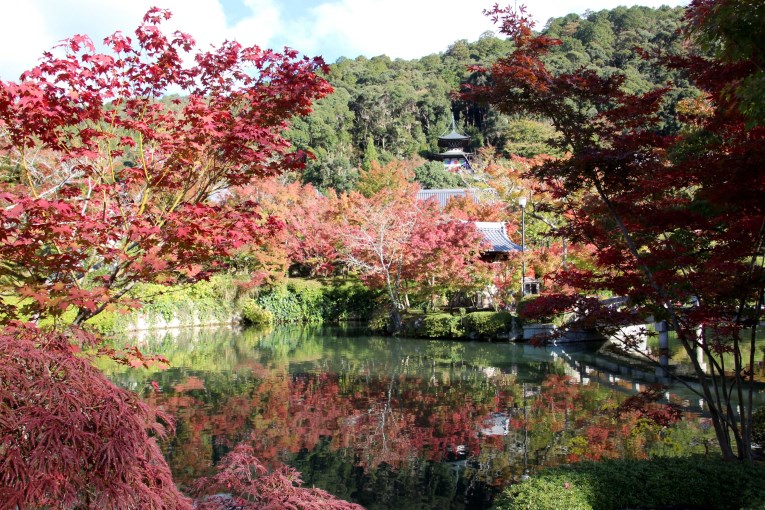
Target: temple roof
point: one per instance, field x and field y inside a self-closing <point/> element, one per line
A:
<point x="445" y="194"/>
<point x="495" y="235"/>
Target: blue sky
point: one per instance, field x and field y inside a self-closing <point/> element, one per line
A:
<point x="330" y="28"/>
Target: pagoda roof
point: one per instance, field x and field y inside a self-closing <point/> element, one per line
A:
<point x="494" y="235"/>
<point x="454" y="135"/>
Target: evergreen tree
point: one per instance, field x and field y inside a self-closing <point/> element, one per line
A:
<point x="370" y="155"/>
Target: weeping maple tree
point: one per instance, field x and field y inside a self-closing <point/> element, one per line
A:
<point x="677" y="220"/>
<point x="108" y="181"/>
<point x="69" y="438"/>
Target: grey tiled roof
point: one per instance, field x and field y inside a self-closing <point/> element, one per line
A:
<point x="444" y="195"/>
<point x="454" y="135"/>
<point x="494" y="234"/>
<point x="493" y="231"/>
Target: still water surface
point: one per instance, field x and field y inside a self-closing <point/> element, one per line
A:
<point x="399" y="423"/>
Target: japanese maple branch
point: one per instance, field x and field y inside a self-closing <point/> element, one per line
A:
<point x="665" y="302"/>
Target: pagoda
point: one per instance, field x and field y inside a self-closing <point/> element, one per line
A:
<point x="453" y="145"/>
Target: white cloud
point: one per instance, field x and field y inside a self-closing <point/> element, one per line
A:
<point x="34" y="26"/>
<point x="23" y="37"/>
<point x="260" y="27"/>
<point x="398" y="28"/>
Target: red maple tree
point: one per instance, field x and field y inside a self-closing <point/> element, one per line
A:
<point x="110" y="181"/>
<point x="403" y="244"/>
<point x="69" y="437"/>
<point x="677" y="220"/>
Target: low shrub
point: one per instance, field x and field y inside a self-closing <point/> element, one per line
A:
<point x="696" y="481"/>
<point x="253" y="313"/>
<point x="548" y="492"/>
<point x="442" y="325"/>
<point x="488" y="324"/>
<point x="380" y="322"/>
<point x="758" y="426"/>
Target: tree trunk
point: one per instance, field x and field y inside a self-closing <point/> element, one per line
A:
<point x="395" y="321"/>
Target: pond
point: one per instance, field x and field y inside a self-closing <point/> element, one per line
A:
<point x="401" y="423"/>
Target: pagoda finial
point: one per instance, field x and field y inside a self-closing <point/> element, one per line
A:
<point x="453" y="126"/>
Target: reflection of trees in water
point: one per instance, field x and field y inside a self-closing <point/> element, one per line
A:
<point x="401" y="420"/>
<point x="388" y="409"/>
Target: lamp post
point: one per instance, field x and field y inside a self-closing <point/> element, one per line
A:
<point x="522" y="203"/>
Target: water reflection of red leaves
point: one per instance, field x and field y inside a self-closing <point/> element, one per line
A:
<point x="645" y="405"/>
<point x="383" y="421"/>
<point x="397" y="420"/>
<point x="589" y="423"/>
<point x="191" y="383"/>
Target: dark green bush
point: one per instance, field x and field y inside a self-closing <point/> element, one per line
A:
<point x="311" y="301"/>
<point x="293" y="301"/>
<point x="283" y="304"/>
<point x="442" y="325"/>
<point x="488" y="324"/>
<point x="613" y="485"/>
<point x="758" y="426"/>
<point x="349" y="302"/>
<point x="380" y="322"/>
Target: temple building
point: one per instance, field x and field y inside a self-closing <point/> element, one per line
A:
<point x="496" y="245"/>
<point x="453" y="145"/>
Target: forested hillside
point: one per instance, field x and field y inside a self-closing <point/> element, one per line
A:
<point x="384" y="109"/>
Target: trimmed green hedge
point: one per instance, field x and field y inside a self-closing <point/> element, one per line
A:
<point x="696" y="481"/>
<point x="488" y="324"/>
<point x="442" y="325"/>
